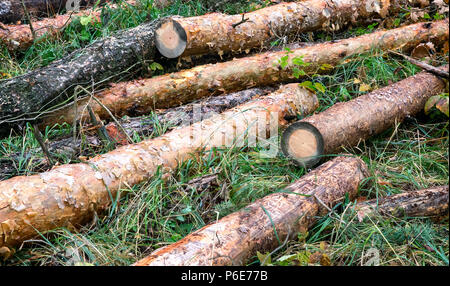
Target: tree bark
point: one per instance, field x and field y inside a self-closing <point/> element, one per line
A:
<point x="262" y="225"/>
<point x="12" y="10"/>
<point x="140" y="96"/>
<point x="141" y="126"/>
<point x="345" y="124"/>
<point x="432" y="202"/>
<point x="69" y="194"/>
<point x="23" y="97"/>
<point x="220" y="33"/>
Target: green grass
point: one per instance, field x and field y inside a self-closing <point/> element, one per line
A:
<point x="164" y="209"/>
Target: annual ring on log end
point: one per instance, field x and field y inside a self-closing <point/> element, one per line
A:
<point x="302" y="143"/>
<point x="170" y="39"/>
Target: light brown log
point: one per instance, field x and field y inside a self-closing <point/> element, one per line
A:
<point x="183" y="115"/>
<point x="220" y="33"/>
<point x="235" y="238"/>
<point x="69" y="194"/>
<point x="177" y="88"/>
<point x="345" y="124"/>
<point x="432" y="202"/>
<point x="12" y="10"/>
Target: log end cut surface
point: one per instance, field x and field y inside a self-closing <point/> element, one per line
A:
<point x="171" y="39"/>
<point x="302" y="143"/>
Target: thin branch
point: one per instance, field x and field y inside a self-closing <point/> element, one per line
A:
<point x="424" y="66"/>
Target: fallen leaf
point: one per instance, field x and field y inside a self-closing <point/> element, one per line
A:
<point x="363" y="87"/>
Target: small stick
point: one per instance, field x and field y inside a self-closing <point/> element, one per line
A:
<point x="240" y="22"/>
<point x="38" y="136"/>
<point x="424" y="66"/>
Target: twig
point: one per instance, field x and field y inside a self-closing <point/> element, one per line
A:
<point x="27" y="15"/>
<point x="240" y="22"/>
<point x="424" y="66"/>
<point x="38" y="136"/>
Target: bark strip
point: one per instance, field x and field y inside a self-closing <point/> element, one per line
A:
<point x="71" y="193"/>
<point x="345" y="124"/>
<point x="174" y="89"/>
<point x="432" y="202"/>
<point x="234" y="239"/>
<point x="221" y="33"/>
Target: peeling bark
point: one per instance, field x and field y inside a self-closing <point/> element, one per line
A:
<point x="345" y="124"/>
<point x="142" y="126"/>
<point x="234" y="239"/>
<point x="219" y="33"/>
<point x="69" y="194"/>
<point x="12" y="10"/>
<point x="174" y="89"/>
<point x="432" y="202"/>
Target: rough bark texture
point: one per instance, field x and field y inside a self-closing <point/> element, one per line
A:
<point x="348" y="123"/>
<point x="70" y="193"/>
<point x="142" y="126"/>
<point x="12" y="10"/>
<point x="235" y="238"/>
<point x="220" y="33"/>
<point x="177" y="88"/>
<point x="431" y="202"/>
<point x="24" y="96"/>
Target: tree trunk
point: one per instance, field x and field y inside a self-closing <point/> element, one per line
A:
<point x="346" y="124"/>
<point x="140" y="96"/>
<point x="183" y="115"/>
<point x="431" y="202"/>
<point x="219" y="33"/>
<point x="12" y="10"/>
<point x="23" y="97"/>
<point x="69" y="194"/>
<point x="264" y="224"/>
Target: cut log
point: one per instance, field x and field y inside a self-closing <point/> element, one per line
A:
<point x="345" y="124"/>
<point x="143" y="126"/>
<point x="69" y="194"/>
<point x="12" y="10"/>
<point x="26" y="95"/>
<point x="262" y="225"/>
<point x="431" y="202"/>
<point x="169" y="90"/>
<point x="220" y="33"/>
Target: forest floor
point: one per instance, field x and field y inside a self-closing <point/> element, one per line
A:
<point x="412" y="155"/>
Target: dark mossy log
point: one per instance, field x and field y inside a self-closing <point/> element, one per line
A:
<point x="220" y="33"/>
<point x="66" y="147"/>
<point x="12" y="10"/>
<point x="174" y="89"/>
<point x="432" y="202"/>
<point x="346" y="124"/>
<point x="264" y="224"/>
<point x="25" y="96"/>
<point x="70" y="194"/>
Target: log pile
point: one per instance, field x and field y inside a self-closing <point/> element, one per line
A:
<point x="219" y="33"/>
<point x="221" y="105"/>
<point x="70" y="194"/>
